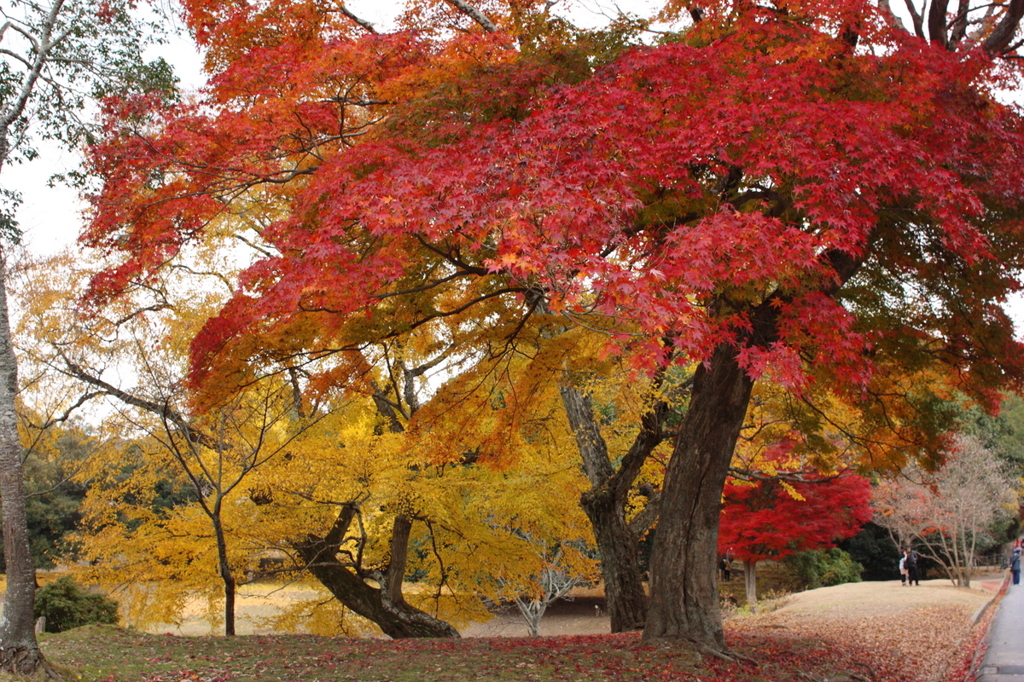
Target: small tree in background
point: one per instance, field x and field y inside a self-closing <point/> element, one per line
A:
<point x="562" y="567"/>
<point x="774" y="517"/>
<point x="553" y="583"/>
<point x="950" y="514"/>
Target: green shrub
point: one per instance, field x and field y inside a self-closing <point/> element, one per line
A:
<point x="65" y="605"/>
<point x="824" y="568"/>
<point x="874" y="549"/>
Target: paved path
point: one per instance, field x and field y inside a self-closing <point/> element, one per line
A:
<point x="1004" y="660"/>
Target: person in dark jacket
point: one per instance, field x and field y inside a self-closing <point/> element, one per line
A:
<point x="911" y="565"/>
<point x="1015" y="565"/>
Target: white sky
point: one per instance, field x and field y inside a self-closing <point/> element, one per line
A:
<point x="51" y="216"/>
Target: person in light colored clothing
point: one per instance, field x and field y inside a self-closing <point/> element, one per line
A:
<point x="903" y="570"/>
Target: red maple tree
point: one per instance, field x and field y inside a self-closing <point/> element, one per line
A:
<point x="803" y="192"/>
<point x="774" y="517"/>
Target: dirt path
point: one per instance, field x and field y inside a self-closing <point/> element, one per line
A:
<point x="853" y="602"/>
<point x="580" y="616"/>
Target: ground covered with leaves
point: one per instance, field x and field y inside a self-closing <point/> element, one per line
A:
<point x="848" y="635"/>
<point x="919" y="648"/>
<point x="926" y="633"/>
<point x="103" y="653"/>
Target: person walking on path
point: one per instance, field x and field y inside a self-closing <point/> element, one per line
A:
<point x="1015" y="565"/>
<point x="910" y="561"/>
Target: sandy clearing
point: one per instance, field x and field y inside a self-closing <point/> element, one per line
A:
<point x="852" y="601"/>
<point x="873" y="598"/>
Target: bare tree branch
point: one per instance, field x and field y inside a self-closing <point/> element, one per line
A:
<point x="916" y="18"/>
<point x="474" y="14"/>
<point x="1002" y="36"/>
<point x="362" y="22"/>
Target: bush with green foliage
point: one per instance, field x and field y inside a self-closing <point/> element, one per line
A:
<point x="874" y="549"/>
<point x="824" y="568"/>
<point x="65" y="605"/>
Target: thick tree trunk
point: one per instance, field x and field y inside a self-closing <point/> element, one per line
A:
<point x="20" y="652"/>
<point x="684" y="581"/>
<point x="385" y="606"/>
<point x="605" y="506"/>
<point x="684" y="603"/>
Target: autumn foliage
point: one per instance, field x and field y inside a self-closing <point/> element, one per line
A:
<point x="773" y="518"/>
<point x="793" y="144"/>
<point x="800" y="193"/>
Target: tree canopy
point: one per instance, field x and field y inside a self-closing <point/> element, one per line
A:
<point x="802" y="193"/>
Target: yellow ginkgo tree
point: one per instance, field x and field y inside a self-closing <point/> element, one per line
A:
<point x="361" y="486"/>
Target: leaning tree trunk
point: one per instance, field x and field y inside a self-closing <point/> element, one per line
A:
<point x="20" y="652"/>
<point x="684" y="604"/>
<point x="384" y="606"/>
<point x="605" y="505"/>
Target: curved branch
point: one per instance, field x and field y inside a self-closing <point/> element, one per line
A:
<point x="474" y="14"/>
<point x="162" y="410"/>
<point x="916" y="18"/>
<point x="82" y="400"/>
<point x="362" y="22"/>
